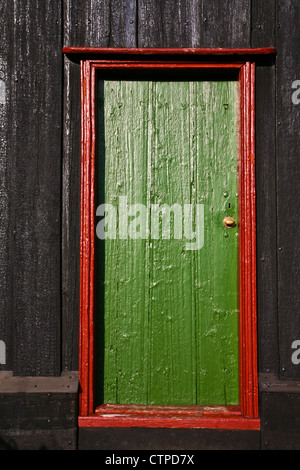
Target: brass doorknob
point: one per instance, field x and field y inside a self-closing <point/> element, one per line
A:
<point x="229" y="222"/>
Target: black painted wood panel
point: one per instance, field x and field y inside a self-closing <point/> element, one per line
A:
<point x="288" y="177"/>
<point x="43" y="421"/>
<point x="168" y="23"/>
<point x="147" y="439"/>
<point x="33" y="175"/>
<point x="71" y="216"/>
<point x="6" y="233"/>
<point x="226" y="23"/>
<point x="100" y="23"/>
<point x="194" y="23"/>
<point x="264" y="33"/>
<point x="280" y="429"/>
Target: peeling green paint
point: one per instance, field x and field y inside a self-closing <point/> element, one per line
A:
<point x="168" y="317"/>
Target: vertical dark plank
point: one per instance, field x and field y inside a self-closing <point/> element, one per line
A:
<point x="167" y="23"/>
<point x="226" y="23"/>
<point x="263" y="23"/>
<point x="5" y="232"/>
<point x="100" y="23"/>
<point x="288" y="176"/>
<point x="93" y="23"/>
<point x="263" y="34"/>
<point x="70" y="216"/>
<point x="34" y="149"/>
<point x="194" y="23"/>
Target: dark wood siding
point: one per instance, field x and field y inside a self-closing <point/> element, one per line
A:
<point x="288" y="174"/>
<point x="32" y="299"/>
<point x="40" y="165"/>
<point x="264" y="32"/>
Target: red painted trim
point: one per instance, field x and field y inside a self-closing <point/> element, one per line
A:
<point x="172" y="51"/>
<point x="247" y="251"/>
<point x="213" y="417"/>
<point x="245" y="417"/>
<point x="193" y="422"/>
<point x="132" y="65"/>
<point x="86" y="339"/>
<point x="84" y="253"/>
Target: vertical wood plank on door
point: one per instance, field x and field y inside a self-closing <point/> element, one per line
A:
<point x="172" y="328"/>
<point x="216" y="277"/>
<point x="126" y="273"/>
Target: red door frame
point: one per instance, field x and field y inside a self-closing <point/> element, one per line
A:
<point x="244" y="416"/>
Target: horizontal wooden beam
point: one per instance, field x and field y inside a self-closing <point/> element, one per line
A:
<point x="172" y="51"/>
<point x="66" y="383"/>
<point x="270" y="382"/>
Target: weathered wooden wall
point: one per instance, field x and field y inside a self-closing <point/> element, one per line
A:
<point x="40" y="177"/>
<point x="31" y="186"/>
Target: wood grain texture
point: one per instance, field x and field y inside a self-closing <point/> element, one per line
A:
<point x="34" y="149"/>
<point x="5" y="227"/>
<point x="70" y="216"/>
<point x="170" y="316"/>
<point x="193" y="23"/>
<point x="100" y="23"/>
<point x="167" y="23"/>
<point x="225" y="24"/>
<point x="288" y="173"/>
<point x="264" y="32"/>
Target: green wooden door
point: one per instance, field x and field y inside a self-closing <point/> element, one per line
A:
<point x="167" y="270"/>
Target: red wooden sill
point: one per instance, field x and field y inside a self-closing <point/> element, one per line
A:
<point x="196" y="417"/>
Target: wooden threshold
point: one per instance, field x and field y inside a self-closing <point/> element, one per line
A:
<point x="191" y="417"/>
